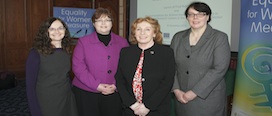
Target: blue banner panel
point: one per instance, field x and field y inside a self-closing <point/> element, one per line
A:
<point x="78" y="20"/>
<point x="253" y="87"/>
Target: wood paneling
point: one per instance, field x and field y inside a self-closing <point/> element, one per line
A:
<point x="19" y="21"/>
<point x="2" y="11"/>
<point x="14" y="35"/>
<point x="37" y="12"/>
<point x="73" y="3"/>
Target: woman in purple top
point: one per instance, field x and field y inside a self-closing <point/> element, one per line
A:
<point x="48" y="84"/>
<point x="95" y="61"/>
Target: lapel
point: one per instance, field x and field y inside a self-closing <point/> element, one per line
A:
<point x="185" y="41"/>
<point x="203" y="39"/>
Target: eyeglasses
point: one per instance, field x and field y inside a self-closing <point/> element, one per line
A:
<point x="56" y="29"/>
<point x="198" y="15"/>
<point x="103" y="21"/>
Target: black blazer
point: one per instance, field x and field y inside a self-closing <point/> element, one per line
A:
<point x="158" y="75"/>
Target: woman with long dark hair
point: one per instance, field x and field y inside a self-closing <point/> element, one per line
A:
<point x="48" y="81"/>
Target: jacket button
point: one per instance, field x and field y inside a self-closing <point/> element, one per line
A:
<point x="109" y="57"/>
<point x="187" y="72"/>
<point x="109" y="71"/>
<point x="188" y="56"/>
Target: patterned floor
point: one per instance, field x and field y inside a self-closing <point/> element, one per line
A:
<point x="13" y="101"/>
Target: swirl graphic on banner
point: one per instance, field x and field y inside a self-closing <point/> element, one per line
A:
<point x="257" y="65"/>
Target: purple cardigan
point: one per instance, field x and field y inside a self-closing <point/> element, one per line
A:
<point x="95" y="63"/>
<point x="32" y="70"/>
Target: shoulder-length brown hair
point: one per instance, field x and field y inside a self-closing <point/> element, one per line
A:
<point x="42" y="41"/>
<point x="155" y="25"/>
<point x="101" y="12"/>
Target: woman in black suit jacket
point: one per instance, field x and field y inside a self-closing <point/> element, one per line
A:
<point x="157" y="72"/>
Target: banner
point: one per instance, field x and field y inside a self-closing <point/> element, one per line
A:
<point x="253" y="86"/>
<point x="78" y="20"/>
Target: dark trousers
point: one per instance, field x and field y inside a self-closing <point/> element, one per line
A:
<point x="97" y="104"/>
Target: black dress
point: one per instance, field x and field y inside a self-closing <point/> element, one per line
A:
<point x="53" y="85"/>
